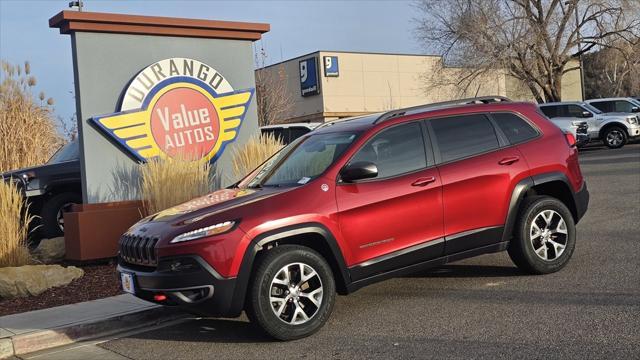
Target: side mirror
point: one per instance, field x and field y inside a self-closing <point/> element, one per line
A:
<point x="587" y="114"/>
<point x="635" y="109"/>
<point x="358" y="171"/>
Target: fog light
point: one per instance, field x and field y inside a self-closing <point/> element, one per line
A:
<point x="159" y="297"/>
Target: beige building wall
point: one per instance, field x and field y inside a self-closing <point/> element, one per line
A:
<point x="370" y="82"/>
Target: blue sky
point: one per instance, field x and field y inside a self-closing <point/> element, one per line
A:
<point x="297" y="27"/>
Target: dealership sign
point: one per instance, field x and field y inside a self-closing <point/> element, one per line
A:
<point x="177" y="107"/>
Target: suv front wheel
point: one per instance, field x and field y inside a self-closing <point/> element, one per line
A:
<point x="614" y="137"/>
<point x="545" y="236"/>
<point x="291" y="293"/>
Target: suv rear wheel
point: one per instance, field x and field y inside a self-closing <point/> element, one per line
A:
<point x="614" y="137"/>
<point x="291" y="293"/>
<point x="545" y="236"/>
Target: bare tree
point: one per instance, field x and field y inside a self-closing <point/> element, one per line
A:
<point x="613" y="71"/>
<point x="273" y="98"/>
<point x="532" y="40"/>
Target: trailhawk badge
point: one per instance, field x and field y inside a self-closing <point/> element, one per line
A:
<point x="177" y="107"/>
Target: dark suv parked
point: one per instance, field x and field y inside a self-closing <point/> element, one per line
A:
<point x="361" y="200"/>
<point x="51" y="189"/>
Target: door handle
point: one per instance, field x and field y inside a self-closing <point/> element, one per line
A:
<point x="424" y="181"/>
<point x="508" y="160"/>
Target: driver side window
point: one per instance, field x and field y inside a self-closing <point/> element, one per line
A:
<point x="395" y="151"/>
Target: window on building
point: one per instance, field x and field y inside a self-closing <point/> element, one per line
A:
<point x="395" y="151"/>
<point x="462" y="136"/>
<point x="514" y="127"/>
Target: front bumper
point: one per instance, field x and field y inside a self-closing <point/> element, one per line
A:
<point x="188" y="282"/>
<point x="633" y="130"/>
<point x="582" y="139"/>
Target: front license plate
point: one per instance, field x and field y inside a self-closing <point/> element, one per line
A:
<point x="127" y="283"/>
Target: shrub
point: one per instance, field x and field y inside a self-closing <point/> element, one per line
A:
<point x="28" y="133"/>
<point x="254" y="152"/>
<point x="168" y="182"/>
<point x="14" y="224"/>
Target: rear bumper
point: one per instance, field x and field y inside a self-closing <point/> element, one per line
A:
<point x="582" y="201"/>
<point x="198" y="289"/>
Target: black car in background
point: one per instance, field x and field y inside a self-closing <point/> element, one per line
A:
<point x="51" y="189"/>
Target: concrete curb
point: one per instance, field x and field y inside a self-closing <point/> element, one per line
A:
<point x="50" y="338"/>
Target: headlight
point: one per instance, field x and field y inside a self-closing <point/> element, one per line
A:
<point x="632" y="120"/>
<point x="578" y="123"/>
<point x="204" y="232"/>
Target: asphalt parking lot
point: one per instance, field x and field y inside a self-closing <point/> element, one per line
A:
<point x="478" y="308"/>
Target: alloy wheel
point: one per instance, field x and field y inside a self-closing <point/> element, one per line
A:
<point x="296" y="293"/>
<point x="615" y="138"/>
<point x="60" y="215"/>
<point x="548" y="235"/>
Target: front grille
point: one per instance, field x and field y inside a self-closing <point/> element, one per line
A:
<point x="582" y="129"/>
<point x="139" y="250"/>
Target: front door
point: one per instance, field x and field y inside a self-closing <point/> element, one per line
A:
<point x="395" y="219"/>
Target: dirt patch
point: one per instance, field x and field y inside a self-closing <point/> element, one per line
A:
<point x="100" y="280"/>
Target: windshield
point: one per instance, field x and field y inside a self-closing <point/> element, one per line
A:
<point x="301" y="161"/>
<point x="592" y="108"/>
<point x="68" y="152"/>
<point x="634" y="101"/>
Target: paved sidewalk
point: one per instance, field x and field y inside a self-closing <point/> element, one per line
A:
<point x="42" y="329"/>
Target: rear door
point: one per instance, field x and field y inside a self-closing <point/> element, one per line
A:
<point x="395" y="219"/>
<point x="479" y="170"/>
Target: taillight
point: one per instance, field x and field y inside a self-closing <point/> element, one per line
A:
<point x="571" y="140"/>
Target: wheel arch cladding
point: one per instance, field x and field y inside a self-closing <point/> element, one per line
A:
<point x="610" y="125"/>
<point x="553" y="184"/>
<point x="312" y="235"/>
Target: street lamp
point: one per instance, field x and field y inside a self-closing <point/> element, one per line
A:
<point x="76" y="4"/>
<point x="579" y="38"/>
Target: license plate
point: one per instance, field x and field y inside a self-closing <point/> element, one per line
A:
<point x="127" y="283"/>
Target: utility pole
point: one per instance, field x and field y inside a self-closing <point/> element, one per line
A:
<point x="578" y="37"/>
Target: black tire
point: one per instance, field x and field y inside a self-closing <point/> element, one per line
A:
<point x="614" y="137"/>
<point x="522" y="249"/>
<point x="259" y="306"/>
<point x="50" y="209"/>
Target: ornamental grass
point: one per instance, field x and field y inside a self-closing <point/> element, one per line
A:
<point x="14" y="225"/>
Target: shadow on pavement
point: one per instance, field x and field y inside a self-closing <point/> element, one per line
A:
<point x="210" y="330"/>
<point x="468" y="271"/>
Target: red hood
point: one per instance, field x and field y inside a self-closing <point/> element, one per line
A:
<point x="212" y="203"/>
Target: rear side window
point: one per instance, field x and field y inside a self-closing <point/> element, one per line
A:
<point x="279" y="134"/>
<point x="296" y="132"/>
<point x="462" y="136"/>
<point x="604" y="106"/>
<point x="395" y="151"/>
<point x="514" y="127"/>
<point x="550" y="111"/>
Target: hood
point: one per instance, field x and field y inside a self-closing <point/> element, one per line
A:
<point x="38" y="170"/>
<point x="213" y="203"/>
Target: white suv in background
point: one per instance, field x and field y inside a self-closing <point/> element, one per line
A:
<point x="614" y="129"/>
<point x="616" y="105"/>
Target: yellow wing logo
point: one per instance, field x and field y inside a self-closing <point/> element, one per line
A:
<point x="147" y="133"/>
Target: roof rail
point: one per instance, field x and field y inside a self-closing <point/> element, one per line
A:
<point x="337" y="121"/>
<point x="468" y="101"/>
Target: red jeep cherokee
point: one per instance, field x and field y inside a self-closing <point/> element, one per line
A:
<point x="362" y="200"/>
